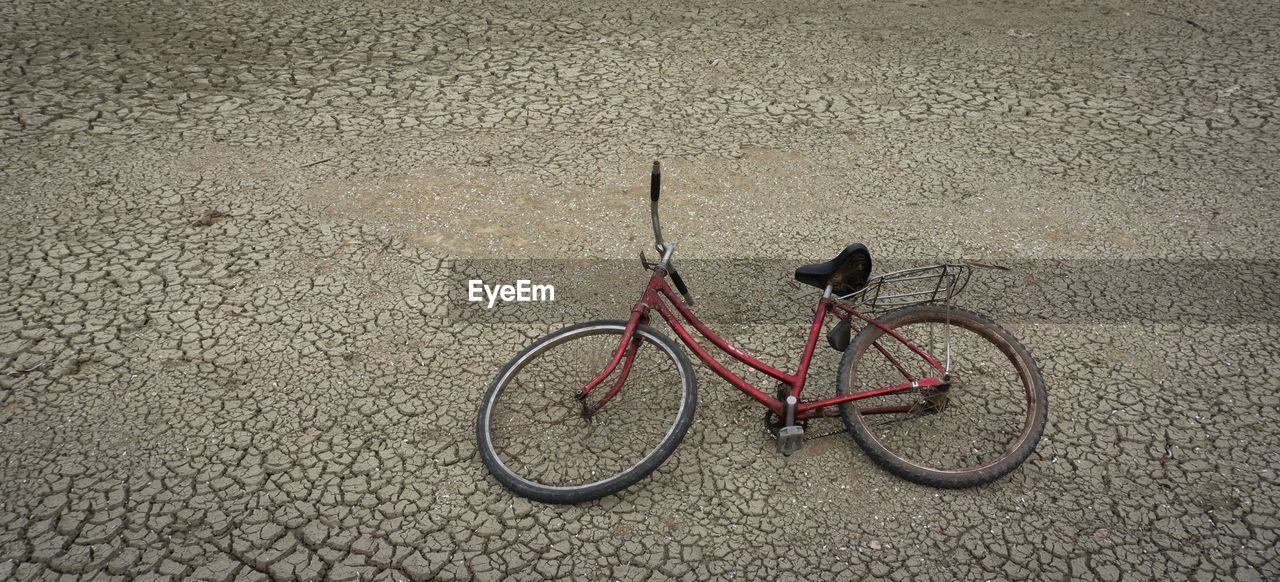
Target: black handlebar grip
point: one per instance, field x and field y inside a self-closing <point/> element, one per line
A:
<point x="681" y="287"/>
<point x="655" y="182"/>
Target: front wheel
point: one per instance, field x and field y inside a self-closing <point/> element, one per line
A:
<point x="542" y="442"/>
<point x="977" y="429"/>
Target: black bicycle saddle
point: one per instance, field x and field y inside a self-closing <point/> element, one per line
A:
<point x="846" y="273"/>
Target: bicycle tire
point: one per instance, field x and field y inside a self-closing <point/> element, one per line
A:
<point x="915" y="471"/>
<point x="531" y="489"/>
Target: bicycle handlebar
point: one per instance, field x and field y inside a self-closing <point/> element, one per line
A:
<point x="655" y="192"/>
<point x="680" y="286"/>
<point x="655" y="182"/>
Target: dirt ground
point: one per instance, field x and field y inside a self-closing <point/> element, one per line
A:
<point x="230" y="232"/>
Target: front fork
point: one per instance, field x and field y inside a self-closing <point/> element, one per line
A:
<point x="625" y="354"/>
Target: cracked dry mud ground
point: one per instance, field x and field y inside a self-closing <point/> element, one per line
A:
<point x="227" y="351"/>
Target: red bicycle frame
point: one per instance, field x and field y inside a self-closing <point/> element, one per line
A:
<point x="659" y="295"/>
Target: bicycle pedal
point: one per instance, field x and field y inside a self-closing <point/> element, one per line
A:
<point x="790" y="439"/>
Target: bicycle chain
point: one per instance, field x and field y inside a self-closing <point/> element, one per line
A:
<point x="769" y="414"/>
<point x="806" y="424"/>
<point x="823" y="436"/>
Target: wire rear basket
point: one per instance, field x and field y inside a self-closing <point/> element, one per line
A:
<point x="919" y="285"/>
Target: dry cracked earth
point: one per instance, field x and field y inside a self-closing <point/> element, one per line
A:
<point x="231" y="231"/>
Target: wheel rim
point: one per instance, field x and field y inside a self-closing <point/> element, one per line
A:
<point x="981" y="420"/>
<point x="535" y="425"/>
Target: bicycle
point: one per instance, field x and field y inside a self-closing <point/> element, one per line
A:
<point x="552" y="428"/>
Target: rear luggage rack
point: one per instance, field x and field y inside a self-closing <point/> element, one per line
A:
<point x="915" y="286"/>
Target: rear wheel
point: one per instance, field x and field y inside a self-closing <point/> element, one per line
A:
<point x="536" y="437"/>
<point x="976" y="430"/>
